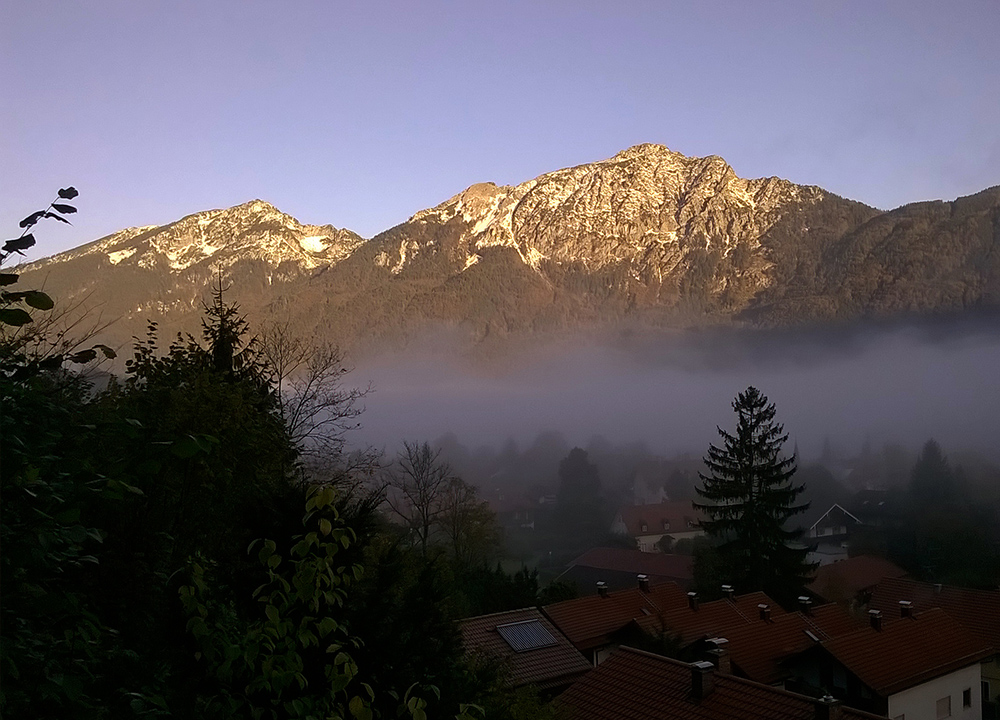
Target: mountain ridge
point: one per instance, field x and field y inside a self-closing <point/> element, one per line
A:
<point x="646" y="238"/>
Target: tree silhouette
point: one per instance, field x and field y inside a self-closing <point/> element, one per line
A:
<point x="749" y="497"/>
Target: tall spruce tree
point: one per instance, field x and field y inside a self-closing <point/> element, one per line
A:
<point x="749" y="497"/>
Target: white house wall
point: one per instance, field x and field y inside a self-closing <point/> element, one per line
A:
<point x="920" y="702"/>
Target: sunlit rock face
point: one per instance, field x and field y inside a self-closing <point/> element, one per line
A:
<point x="646" y="239"/>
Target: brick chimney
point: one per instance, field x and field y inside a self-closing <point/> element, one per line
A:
<point x="693" y="600"/>
<point x="727" y="591"/>
<point x="765" y="612"/>
<point x="602" y="588"/>
<point x="719" y="655"/>
<point x="805" y="604"/>
<point x="875" y="619"/>
<point x="829" y="708"/>
<point x="702" y="679"/>
<point x="643" y="582"/>
<point x="905" y="609"/>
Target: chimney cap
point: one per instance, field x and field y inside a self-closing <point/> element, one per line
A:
<point x="641" y="576"/>
<point x="875" y="613"/>
<point x="692" y="594"/>
<point x="763" y="606"/>
<point x="727" y="588"/>
<point x="905" y="603"/>
<point x="703" y="665"/>
<point x="805" y="599"/>
<point x="718" y="641"/>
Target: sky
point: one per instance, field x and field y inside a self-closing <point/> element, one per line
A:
<point x="361" y="113"/>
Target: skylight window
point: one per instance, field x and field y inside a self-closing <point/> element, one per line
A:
<point x="526" y="635"/>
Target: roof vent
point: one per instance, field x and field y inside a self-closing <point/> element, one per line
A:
<point x="693" y="600"/>
<point x="643" y="582"/>
<point x="765" y="612"/>
<point x="602" y="588"/>
<point x="829" y="708"/>
<point x="905" y="609"/>
<point x="702" y="679"/>
<point x="875" y="619"/>
<point x="719" y="655"/>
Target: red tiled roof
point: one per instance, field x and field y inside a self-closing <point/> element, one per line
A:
<point x="545" y="667"/>
<point x="590" y="621"/>
<point x="710" y="619"/>
<point x="845" y="579"/>
<point x="977" y="610"/>
<point x="636" y="685"/>
<point x="638" y="562"/>
<point x="907" y="653"/>
<point x="678" y="513"/>
<point x="757" y="649"/>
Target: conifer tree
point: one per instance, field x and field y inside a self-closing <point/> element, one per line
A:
<point x="748" y="498"/>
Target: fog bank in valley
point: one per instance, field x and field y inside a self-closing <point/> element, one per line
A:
<point x="902" y="384"/>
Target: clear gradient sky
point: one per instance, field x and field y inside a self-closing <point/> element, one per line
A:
<point x="361" y="113"/>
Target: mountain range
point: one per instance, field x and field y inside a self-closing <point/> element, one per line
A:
<point x="646" y="240"/>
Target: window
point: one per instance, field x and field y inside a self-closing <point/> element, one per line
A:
<point x="944" y="708"/>
<point x="967" y="698"/>
<point x="666" y="524"/>
<point x="644" y="527"/>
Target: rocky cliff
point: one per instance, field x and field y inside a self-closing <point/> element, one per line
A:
<point x="647" y="238"/>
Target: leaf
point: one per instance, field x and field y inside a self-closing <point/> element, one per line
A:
<point x="14" y="316"/>
<point x="7" y="279"/>
<point x="68" y="193"/>
<point x="111" y="355"/>
<point x="185" y="447"/>
<point x="325" y="526"/>
<point x="18" y="244"/>
<point x="82" y="357"/>
<point x="67" y="209"/>
<point x="38" y="300"/>
<point x="32" y="219"/>
<point x="60" y="218"/>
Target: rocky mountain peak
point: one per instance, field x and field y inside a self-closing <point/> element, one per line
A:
<point x="648" y="236"/>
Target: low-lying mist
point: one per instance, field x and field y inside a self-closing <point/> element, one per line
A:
<point x="888" y="384"/>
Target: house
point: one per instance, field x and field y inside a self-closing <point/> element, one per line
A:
<point x="924" y="667"/>
<point x="978" y="611"/>
<point x="875" y="508"/>
<point x="693" y="620"/>
<point x="618" y="568"/>
<point x="853" y="579"/>
<point x="530" y="649"/>
<point x="758" y="650"/>
<point x="647" y="524"/>
<point x="513" y="511"/>
<point x="642" y="686"/>
<point x="599" y="623"/>
<point x="829" y="534"/>
<point x="594" y="623"/>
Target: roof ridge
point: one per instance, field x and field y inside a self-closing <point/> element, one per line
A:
<point x="813" y="625"/>
<point x="501" y="612"/>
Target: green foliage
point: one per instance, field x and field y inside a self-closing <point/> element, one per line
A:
<point x="52" y="638"/>
<point x="488" y="590"/>
<point x="294" y="660"/>
<point x="557" y="591"/>
<point x="749" y="498"/>
<point x="942" y="534"/>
